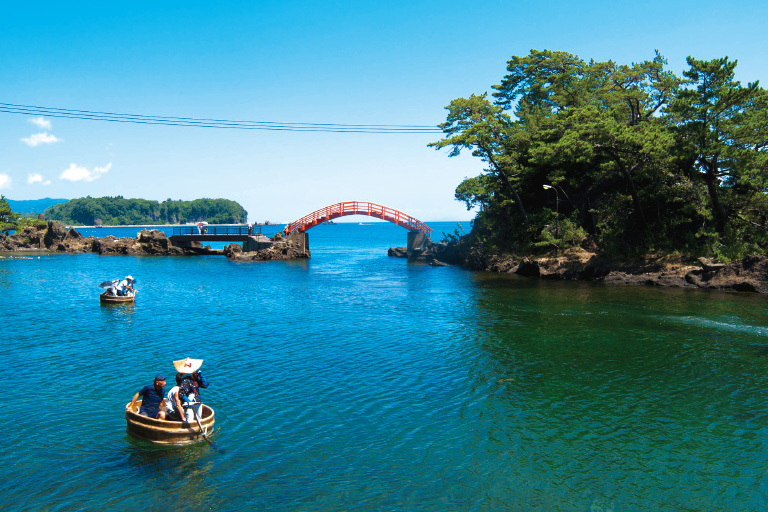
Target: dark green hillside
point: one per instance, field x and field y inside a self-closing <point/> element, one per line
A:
<point x="116" y="211"/>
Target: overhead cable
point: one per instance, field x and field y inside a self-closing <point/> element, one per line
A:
<point x="32" y="110"/>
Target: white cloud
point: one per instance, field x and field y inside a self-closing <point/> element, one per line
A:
<point x="37" y="178"/>
<point x="5" y="181"/>
<point x="76" y="173"/>
<point x="41" y="123"/>
<point x="39" y="138"/>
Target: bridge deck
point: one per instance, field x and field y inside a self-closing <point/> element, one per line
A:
<point x="215" y="233"/>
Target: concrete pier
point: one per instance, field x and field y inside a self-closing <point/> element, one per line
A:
<point x="417" y="242"/>
<point x="257" y="243"/>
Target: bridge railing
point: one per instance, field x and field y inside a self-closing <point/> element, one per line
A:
<point x="359" y="208"/>
<point x="217" y="230"/>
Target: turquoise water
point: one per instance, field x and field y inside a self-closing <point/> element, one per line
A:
<point x="355" y="381"/>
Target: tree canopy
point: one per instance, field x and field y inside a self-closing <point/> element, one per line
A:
<point x="8" y="219"/>
<point x="120" y="211"/>
<point x="626" y="159"/>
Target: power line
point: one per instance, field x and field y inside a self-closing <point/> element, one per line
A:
<point x="32" y="110"/>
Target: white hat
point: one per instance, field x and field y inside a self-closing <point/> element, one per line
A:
<point x="188" y="365"/>
<point x="130" y="278"/>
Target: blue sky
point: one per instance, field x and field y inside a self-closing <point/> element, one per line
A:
<point x="316" y="62"/>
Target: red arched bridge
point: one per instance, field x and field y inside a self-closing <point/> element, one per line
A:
<point x="337" y="210"/>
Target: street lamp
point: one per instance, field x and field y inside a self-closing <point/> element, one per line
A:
<point x="557" y="209"/>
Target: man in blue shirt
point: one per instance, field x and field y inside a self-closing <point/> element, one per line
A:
<point x="152" y="399"/>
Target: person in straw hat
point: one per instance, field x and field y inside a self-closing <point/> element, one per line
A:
<point x="185" y="396"/>
<point x="125" y="288"/>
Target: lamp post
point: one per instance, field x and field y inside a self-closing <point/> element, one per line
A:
<point x="557" y="209"/>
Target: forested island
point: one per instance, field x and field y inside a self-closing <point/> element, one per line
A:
<point x="621" y="161"/>
<point x="118" y="211"/>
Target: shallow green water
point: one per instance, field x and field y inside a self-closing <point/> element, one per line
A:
<point x="355" y="381"/>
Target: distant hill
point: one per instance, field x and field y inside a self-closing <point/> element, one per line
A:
<point x="119" y="211"/>
<point x="33" y="205"/>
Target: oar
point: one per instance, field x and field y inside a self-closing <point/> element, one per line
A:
<point x="200" y="425"/>
<point x="204" y="432"/>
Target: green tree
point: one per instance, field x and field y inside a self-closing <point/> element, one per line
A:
<point x="478" y="125"/>
<point x="723" y="128"/>
<point x="8" y="218"/>
<point x="639" y="162"/>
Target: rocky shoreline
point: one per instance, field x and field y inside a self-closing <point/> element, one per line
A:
<point x="750" y="274"/>
<point x="54" y="237"/>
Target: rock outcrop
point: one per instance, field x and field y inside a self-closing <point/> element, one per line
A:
<point x="291" y="248"/>
<point x="749" y="274"/>
<point x="53" y="236"/>
<point x="430" y="251"/>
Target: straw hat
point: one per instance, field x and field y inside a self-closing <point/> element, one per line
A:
<point x="188" y="365"/>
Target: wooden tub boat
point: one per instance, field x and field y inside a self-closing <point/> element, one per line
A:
<point x="113" y="299"/>
<point x="168" y="432"/>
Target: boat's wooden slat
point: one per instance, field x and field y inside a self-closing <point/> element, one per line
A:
<point x="167" y="432"/>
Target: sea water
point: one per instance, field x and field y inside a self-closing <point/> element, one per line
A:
<point x="356" y="381"/>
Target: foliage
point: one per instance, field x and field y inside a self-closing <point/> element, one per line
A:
<point x="637" y="159"/>
<point x="120" y="211"/>
<point x="28" y="222"/>
<point x="8" y="218"/>
<point x="453" y="238"/>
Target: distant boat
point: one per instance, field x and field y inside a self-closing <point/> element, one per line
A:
<point x="328" y="222"/>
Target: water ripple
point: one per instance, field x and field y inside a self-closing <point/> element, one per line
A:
<point x="355" y="381"/>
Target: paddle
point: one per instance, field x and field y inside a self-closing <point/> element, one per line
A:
<point x="204" y="432"/>
<point x="200" y="425"/>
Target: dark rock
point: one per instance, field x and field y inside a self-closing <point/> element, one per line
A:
<point x="398" y="252"/>
<point x="55" y="234"/>
<point x="232" y="251"/>
<point x="502" y="264"/>
<point x="32" y="238"/>
<point x="528" y="268"/>
<point x="154" y="242"/>
<point x="292" y="248"/>
<point x="708" y="266"/>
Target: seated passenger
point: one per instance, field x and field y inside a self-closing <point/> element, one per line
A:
<point x="185" y="396"/>
<point x="152" y="402"/>
<point x="173" y="405"/>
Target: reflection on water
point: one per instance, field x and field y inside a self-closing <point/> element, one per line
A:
<point x="178" y="474"/>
